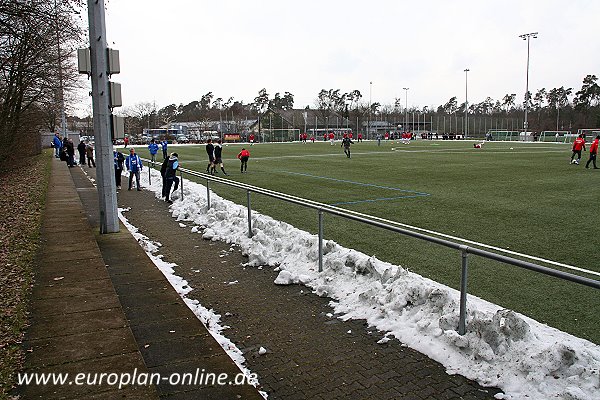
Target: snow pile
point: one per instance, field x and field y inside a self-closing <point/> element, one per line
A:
<point x="501" y="348"/>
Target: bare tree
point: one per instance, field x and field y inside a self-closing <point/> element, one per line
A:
<point x="37" y="39"/>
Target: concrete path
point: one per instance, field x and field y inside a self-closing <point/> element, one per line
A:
<point x="99" y="305"/>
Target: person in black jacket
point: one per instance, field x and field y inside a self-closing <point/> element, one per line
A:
<point x="119" y="161"/>
<point x="346" y="142"/>
<point x="70" y="148"/>
<point x="218" y="160"/>
<point x="170" y="176"/>
<point x="210" y="150"/>
<point x="81" y="150"/>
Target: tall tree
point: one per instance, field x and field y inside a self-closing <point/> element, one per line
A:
<point x="36" y="71"/>
<point x="587" y="97"/>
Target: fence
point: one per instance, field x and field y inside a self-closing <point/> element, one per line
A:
<point x="384" y="224"/>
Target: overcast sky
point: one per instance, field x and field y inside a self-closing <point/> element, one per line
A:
<point x="174" y="51"/>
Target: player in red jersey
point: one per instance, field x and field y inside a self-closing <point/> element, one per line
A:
<point x="578" y="146"/>
<point x="593" y="153"/>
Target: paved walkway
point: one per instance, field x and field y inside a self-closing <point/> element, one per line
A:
<point x="99" y="305"/>
<point x="310" y="355"/>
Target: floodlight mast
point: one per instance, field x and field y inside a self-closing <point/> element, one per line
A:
<point x="105" y="176"/>
<point x="406" y="109"/>
<point x="527" y="36"/>
<point x="466" y="104"/>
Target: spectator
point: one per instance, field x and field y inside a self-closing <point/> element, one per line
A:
<point x="119" y="160"/>
<point x="593" y="152"/>
<point x="70" y="149"/>
<point x="57" y="145"/>
<point x="163" y="145"/>
<point x="153" y="148"/>
<point x="125" y="142"/>
<point x="134" y="166"/>
<point x="243" y="157"/>
<point x="172" y="163"/>
<point x="89" y="151"/>
<point x="81" y="150"/>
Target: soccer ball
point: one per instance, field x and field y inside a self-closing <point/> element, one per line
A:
<point x="576" y="162"/>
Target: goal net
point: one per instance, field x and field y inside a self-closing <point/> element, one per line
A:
<point x="499" y="134"/>
<point x="279" y="135"/>
<point x="554" y="136"/>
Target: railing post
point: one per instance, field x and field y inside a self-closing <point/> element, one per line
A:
<point x="320" y="240"/>
<point x="207" y="194"/>
<point x="149" y="174"/>
<point x="181" y="183"/>
<point x="462" y="324"/>
<point x="249" y="215"/>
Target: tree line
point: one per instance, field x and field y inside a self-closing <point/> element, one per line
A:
<point x="549" y="109"/>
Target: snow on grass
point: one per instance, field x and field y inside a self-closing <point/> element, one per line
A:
<point x="501" y="348"/>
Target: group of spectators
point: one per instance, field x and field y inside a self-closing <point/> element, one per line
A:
<point x="64" y="149"/>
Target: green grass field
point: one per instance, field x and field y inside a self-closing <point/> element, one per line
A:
<point x="519" y="196"/>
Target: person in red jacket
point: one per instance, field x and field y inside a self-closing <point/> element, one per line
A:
<point x="331" y="137"/>
<point x="359" y="137"/>
<point x="578" y="146"/>
<point x="243" y="157"/>
<point x="251" y="138"/>
<point x="593" y="152"/>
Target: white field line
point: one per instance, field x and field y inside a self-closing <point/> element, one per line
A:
<point x="204" y="161"/>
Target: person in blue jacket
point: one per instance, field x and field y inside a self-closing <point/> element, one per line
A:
<point x="57" y="145"/>
<point x="163" y="144"/>
<point x="134" y="166"/>
<point x="153" y="147"/>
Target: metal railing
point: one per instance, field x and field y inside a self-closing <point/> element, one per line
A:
<point x="388" y="225"/>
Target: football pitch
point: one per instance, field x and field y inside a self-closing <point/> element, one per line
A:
<point x="524" y="197"/>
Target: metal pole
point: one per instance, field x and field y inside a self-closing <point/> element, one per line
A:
<point x="527" y="36"/>
<point x="207" y="194"/>
<point x="369" y="115"/>
<point x="406" y="109"/>
<point x="466" y="105"/>
<point x="320" y="240"/>
<point x="249" y="214"/>
<point x="150" y="165"/>
<point x="105" y="174"/>
<point x="181" y="183"/>
<point x="463" y="293"/>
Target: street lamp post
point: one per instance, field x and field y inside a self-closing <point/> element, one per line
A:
<point x="466" y="104"/>
<point x="405" y="108"/>
<point x="369" y="116"/>
<point x="527" y="36"/>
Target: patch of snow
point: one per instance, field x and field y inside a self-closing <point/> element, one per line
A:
<point x="501" y="348"/>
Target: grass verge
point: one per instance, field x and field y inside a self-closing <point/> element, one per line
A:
<point x="21" y="205"/>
